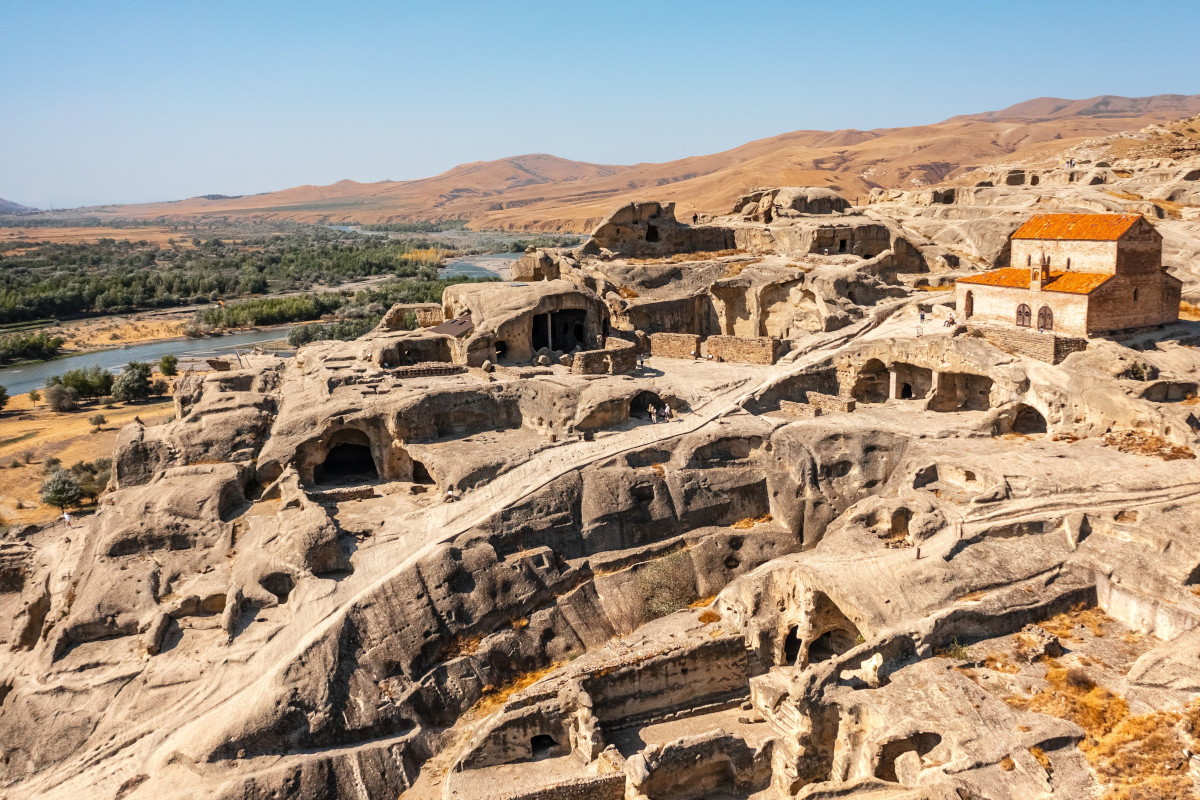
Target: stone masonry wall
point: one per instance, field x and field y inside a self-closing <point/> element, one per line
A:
<point x="1042" y="346"/>
<point x="743" y="349"/>
<point x="997" y="305"/>
<point x="829" y="402"/>
<point x="674" y="345"/>
<point x="618" y="356"/>
<point x="1083" y="256"/>
<point x="799" y="409"/>
<point x="601" y="787"/>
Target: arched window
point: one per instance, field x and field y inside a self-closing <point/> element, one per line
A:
<point x="1029" y="260"/>
<point x="969" y="305"/>
<point x="1045" y="319"/>
<point x="1024" y="316"/>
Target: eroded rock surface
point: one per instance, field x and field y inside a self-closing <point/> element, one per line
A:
<point x="726" y="509"/>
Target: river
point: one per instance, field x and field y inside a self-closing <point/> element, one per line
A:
<point x="25" y="377"/>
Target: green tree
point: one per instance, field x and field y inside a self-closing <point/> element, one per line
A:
<point x="3" y="397"/>
<point x="61" y="490"/>
<point x="168" y="365"/>
<point x="35" y="396"/>
<point x="91" y="382"/>
<point x="97" y="419"/>
<point x="133" y="384"/>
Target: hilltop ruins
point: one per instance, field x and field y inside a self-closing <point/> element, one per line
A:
<point x="892" y="541"/>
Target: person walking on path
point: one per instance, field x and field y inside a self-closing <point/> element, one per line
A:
<point x="695" y="218"/>
<point x="67" y="519"/>
<point x="653" y="413"/>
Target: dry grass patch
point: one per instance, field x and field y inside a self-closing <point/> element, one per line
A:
<point x="626" y="293"/>
<point x="749" y="522"/>
<point x="1063" y="625"/>
<point x="1147" y="444"/>
<point x="708" y="616"/>
<point x="496" y="696"/>
<point x="733" y="269"/>
<point x="1189" y="311"/>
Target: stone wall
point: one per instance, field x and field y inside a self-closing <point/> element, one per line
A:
<point x="1065" y="255"/>
<point x="829" y="402"/>
<point x="1043" y="346"/>
<point x="799" y="409"/>
<point x="1134" y="301"/>
<point x="997" y="305"/>
<point x="674" y="345"/>
<point x="743" y="349"/>
<point x="428" y="370"/>
<point x="600" y="787"/>
<point x="618" y="356"/>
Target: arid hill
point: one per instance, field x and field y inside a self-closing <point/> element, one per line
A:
<point x="547" y="193"/>
<point x="9" y="207"/>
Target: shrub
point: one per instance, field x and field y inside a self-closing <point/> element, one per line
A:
<point x="168" y="365"/>
<point x="27" y="456"/>
<point x="97" y="419"/>
<point x="667" y="584"/>
<point x="91" y="382"/>
<point x="133" y="384"/>
<point x="159" y="387"/>
<point x="51" y="465"/>
<point x="3" y="397"/>
<point x="62" y="398"/>
<point x="92" y="476"/>
<point x="61" y="490"/>
<point x="35" y="396"/>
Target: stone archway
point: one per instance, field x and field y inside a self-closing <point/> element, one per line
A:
<point x="348" y="461"/>
<point x="872" y="384"/>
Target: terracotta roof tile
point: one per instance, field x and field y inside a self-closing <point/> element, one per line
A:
<point x="1018" y="278"/>
<point x="1091" y="227"/>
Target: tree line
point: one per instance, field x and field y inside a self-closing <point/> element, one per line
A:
<point x="109" y="276"/>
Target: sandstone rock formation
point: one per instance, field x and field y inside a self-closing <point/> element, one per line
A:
<point x="735" y="511"/>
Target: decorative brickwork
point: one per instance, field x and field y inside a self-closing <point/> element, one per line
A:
<point x="674" y="345"/>
<point x="1042" y="346"/>
<point x="829" y="402"/>
<point x="743" y="349"/>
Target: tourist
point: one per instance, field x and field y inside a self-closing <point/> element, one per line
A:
<point x="653" y="413"/>
<point x="921" y="316"/>
<point x="695" y="218"/>
<point x="667" y="412"/>
<point x="450" y="496"/>
<point x="67" y="518"/>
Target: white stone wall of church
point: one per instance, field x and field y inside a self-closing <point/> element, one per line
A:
<point x="997" y="305"/>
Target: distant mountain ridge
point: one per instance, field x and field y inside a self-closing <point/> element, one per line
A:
<point x="545" y="192"/>
<point x="9" y="207"/>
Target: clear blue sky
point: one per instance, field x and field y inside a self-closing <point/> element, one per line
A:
<point x="129" y="102"/>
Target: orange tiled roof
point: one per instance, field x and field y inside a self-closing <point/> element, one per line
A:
<point x="1092" y="227"/>
<point x="1018" y="278"/>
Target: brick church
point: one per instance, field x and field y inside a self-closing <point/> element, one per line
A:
<point x="1076" y="275"/>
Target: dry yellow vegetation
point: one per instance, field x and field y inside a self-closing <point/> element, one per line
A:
<point x="27" y="427"/>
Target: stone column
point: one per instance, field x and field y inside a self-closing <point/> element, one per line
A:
<point x="937" y="384"/>
<point x="892" y="391"/>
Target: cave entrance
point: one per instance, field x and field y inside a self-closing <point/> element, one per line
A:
<point x="542" y="746"/>
<point x="420" y="473"/>
<point x="651" y="233"/>
<point x="841" y="245"/>
<point x="830" y="645"/>
<point x="560" y="330"/>
<point x="1028" y="420"/>
<point x="501" y="349"/>
<point x="906" y="392"/>
<point x="639" y="406"/>
<point x="871" y="386"/>
<point x="791" y="646"/>
<point x="349" y="461"/>
<point x="900" y="519"/>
